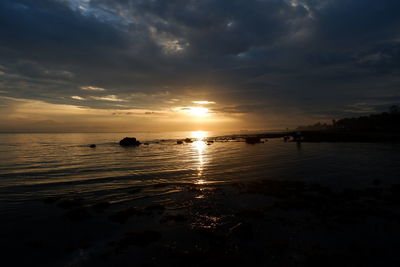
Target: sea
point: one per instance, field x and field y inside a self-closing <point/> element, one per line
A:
<point x="36" y="166"/>
<point x="40" y="165"/>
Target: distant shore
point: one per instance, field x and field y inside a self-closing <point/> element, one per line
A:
<point x="320" y="136"/>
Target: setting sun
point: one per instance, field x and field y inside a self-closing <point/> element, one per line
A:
<point x="196" y="111"/>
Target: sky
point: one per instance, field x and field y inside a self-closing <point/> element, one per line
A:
<point x="153" y="65"/>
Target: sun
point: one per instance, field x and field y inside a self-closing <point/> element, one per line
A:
<point x="195" y="111"/>
<point x="198" y="111"/>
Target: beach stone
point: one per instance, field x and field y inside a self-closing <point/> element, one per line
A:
<point x="129" y="141"/>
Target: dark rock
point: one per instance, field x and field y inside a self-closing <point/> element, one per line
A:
<point x="179" y="142"/>
<point x="92" y="146"/>
<point x="146" y="144"/>
<point x="129" y="141"/>
<point x="253" y="140"/>
<point x="188" y="140"/>
<point x="123" y="215"/>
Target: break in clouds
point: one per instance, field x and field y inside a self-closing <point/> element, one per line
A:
<point x="276" y="61"/>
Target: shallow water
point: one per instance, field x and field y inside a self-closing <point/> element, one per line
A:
<point x="38" y="165"/>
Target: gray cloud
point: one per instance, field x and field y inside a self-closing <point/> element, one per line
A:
<point x="317" y="57"/>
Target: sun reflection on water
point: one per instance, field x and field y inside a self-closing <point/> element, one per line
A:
<point x="199" y="135"/>
<point x="202" y="158"/>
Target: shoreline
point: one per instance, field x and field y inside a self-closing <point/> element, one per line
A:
<point x="264" y="222"/>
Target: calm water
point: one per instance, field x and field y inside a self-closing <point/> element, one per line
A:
<point x="34" y="166"/>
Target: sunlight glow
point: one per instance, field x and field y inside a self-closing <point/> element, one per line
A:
<point x="200" y="147"/>
<point x="199" y="135"/>
<point x="202" y="102"/>
<point x="196" y="111"/>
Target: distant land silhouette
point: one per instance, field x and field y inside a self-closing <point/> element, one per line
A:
<point x="383" y="127"/>
<point x="388" y="122"/>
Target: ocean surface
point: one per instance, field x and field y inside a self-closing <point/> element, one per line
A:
<point x="40" y="165"/>
<point x="34" y="167"/>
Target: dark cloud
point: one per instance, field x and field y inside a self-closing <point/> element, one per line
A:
<point x="318" y="57"/>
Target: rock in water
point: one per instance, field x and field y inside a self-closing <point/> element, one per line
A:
<point x="253" y="140"/>
<point x="92" y="146"/>
<point x="129" y="141"/>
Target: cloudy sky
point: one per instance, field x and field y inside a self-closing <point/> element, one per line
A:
<point x="122" y="65"/>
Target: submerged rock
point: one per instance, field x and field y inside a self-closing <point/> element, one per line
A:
<point x="129" y="141"/>
<point x="92" y="146"/>
<point x="188" y="140"/>
<point x="179" y="142"/>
